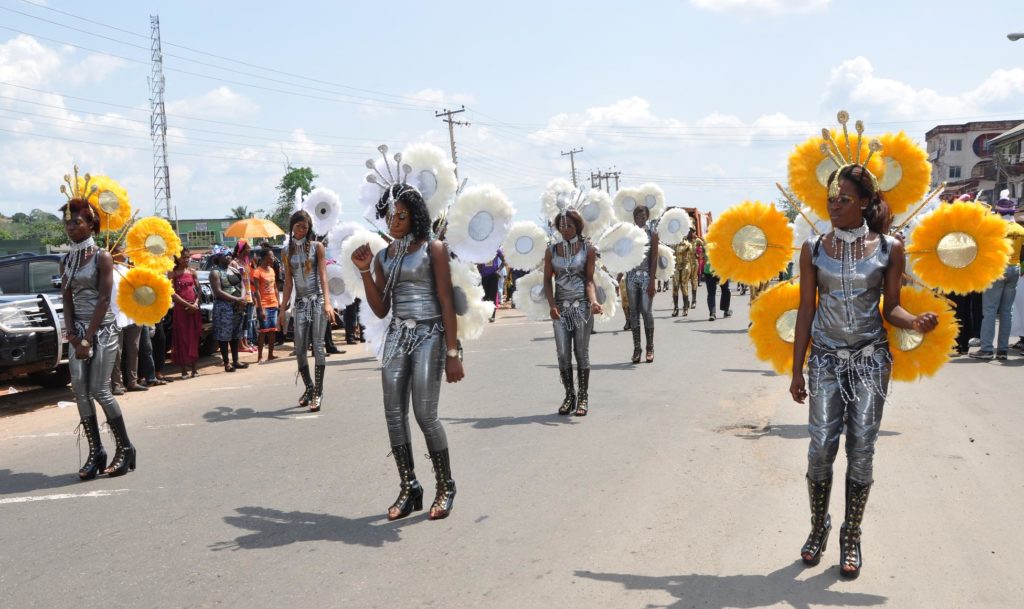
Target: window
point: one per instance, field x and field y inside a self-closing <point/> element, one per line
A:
<point x="40" y="274"/>
<point x="200" y="238"/>
<point x="954" y="172"/>
<point x="956" y="145"/>
<point x="10" y="279"/>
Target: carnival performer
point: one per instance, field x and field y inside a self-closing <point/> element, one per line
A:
<point x="306" y="274"/>
<point x="847" y="272"/>
<point x="87" y="283"/>
<point x="685" y="275"/>
<point x="411" y="280"/>
<point x="640" y="287"/>
<point x="570" y="264"/>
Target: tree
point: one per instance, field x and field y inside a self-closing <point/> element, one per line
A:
<point x="19" y="218"/>
<point x="786" y="207"/>
<point x="295" y="178"/>
<point x="240" y="213"/>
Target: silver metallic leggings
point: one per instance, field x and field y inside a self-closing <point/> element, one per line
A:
<point x="90" y="378"/>
<point x="576" y="340"/>
<point x="417" y="373"/>
<point x="834" y="397"/>
<point x="310" y="324"/>
<point x="639" y="304"/>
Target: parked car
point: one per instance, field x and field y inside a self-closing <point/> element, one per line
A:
<point x="33" y="342"/>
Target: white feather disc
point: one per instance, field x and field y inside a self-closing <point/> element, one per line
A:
<point x="478" y="222"/>
<point x="596" y="209"/>
<point x="524" y="246"/>
<point x="341" y="295"/>
<point x="337" y="235"/>
<point x="802" y="232"/>
<point x="622" y="247"/>
<point x="666" y="263"/>
<point x="673" y="226"/>
<point x="349" y="273"/>
<point x="653" y="198"/>
<point x="529" y="296"/>
<point x="375" y="331"/>
<point x="473" y="312"/>
<point x="625" y="201"/>
<point x="432" y="174"/>
<point x="115" y="309"/>
<point x="324" y="207"/>
<point x="559" y="194"/>
<point x="607" y="296"/>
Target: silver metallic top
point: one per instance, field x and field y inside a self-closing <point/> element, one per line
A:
<point x="414" y="296"/>
<point x="306" y="284"/>
<point x="85" y="292"/>
<point x="571" y="278"/>
<point x="645" y="266"/>
<point x="840" y="322"/>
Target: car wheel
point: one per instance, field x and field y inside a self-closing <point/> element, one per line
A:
<point x="54" y="379"/>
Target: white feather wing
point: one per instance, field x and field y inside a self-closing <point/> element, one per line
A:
<point x="324" y="206"/>
<point x="478" y="222"/>
<point x="597" y="212"/>
<point x="349" y="273"/>
<point x="653" y="198"/>
<point x="473" y="312"/>
<point x="625" y="201"/>
<point x="336" y="237"/>
<point x="607" y="295"/>
<point x="673" y="226"/>
<point x="432" y="174"/>
<point x="622" y="247"/>
<point x="558" y="192"/>
<point x="341" y="295"/>
<point x="524" y="246"/>
<point x="666" y="263"/>
<point x="529" y="296"/>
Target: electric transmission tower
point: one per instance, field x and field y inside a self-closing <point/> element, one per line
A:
<point x="162" y="205"/>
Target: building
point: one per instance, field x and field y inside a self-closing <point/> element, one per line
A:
<point x="961" y="156"/>
<point x="202" y="234"/>
<point x="1008" y="158"/>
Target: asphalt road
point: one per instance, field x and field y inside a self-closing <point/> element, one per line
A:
<point x="683" y="488"/>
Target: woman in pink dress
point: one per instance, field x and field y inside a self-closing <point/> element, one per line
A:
<point x="187" y="319"/>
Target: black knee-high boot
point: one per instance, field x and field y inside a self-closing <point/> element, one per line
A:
<point x="821" y="522"/>
<point x="649" y="332"/>
<point x="444" y="500"/>
<point x="849" y="533"/>
<point x="569" y="403"/>
<point x="124" y="453"/>
<point x="307" y="395"/>
<point x="636" y="343"/>
<point x="410" y="498"/>
<point x="318" y="388"/>
<point x="97" y="459"/>
<point x="583" y="398"/>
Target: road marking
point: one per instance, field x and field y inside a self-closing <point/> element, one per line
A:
<point x="62" y="496"/>
<point x="169" y="425"/>
<point x="56" y="434"/>
<point x="307" y="416"/>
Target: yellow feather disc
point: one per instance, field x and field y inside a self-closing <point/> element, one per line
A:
<point x="152" y="243"/>
<point x="144" y="295"/>
<point x="914" y="354"/>
<point x="773" y="324"/>
<point x="751" y="242"/>
<point x="960" y="247"/>
<point x="109" y="200"/>
<point x="907" y="172"/>
<point x="809" y="168"/>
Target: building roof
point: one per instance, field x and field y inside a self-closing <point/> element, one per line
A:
<point x="999" y="126"/>
<point x="1007" y="136"/>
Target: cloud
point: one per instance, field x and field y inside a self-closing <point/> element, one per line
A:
<point x="219" y="103"/>
<point x="25" y="61"/>
<point x="761" y="6"/>
<point x="437" y="97"/>
<point x="94" y="69"/>
<point x="854" y="83"/>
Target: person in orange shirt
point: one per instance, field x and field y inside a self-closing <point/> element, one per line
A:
<point x="266" y="303"/>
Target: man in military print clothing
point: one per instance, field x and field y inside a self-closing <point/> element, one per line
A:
<point x="685" y="275"/>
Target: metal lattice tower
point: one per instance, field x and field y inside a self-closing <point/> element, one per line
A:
<point x="162" y="205"/>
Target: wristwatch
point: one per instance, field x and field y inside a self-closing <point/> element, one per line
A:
<point x="453" y="352"/>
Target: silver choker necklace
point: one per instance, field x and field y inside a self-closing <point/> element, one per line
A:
<point x="849" y="236"/>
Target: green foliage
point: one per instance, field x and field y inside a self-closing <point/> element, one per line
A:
<point x="37" y="224"/>
<point x="295" y="178"/>
<point x="240" y="213"/>
<point x="786" y="207"/>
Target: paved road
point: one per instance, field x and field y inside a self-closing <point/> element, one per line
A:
<point x="684" y="488"/>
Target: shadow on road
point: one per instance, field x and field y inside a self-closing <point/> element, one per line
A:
<point x="226" y="413"/>
<point x="551" y="420"/>
<point x="274" y="528"/>
<point x="747" y="591"/>
<point x="736" y="331"/>
<point x="786" y="432"/>
<point x="752" y="371"/>
<point x="12" y="483"/>
<point x="616" y="366"/>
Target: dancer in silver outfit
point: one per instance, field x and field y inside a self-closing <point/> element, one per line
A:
<point x="88" y="278"/>
<point x="640" y="287"/>
<point x="848" y="271"/>
<point x="411" y="280"/>
<point x="573" y="304"/>
<point x="305" y="271"/>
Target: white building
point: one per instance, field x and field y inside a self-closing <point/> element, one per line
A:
<point x="1008" y="157"/>
<point x="961" y="156"/>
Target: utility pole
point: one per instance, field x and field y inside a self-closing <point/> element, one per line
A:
<point x="572" y="160"/>
<point x="614" y="174"/>
<point x="447" y="114"/>
<point x="158" y="128"/>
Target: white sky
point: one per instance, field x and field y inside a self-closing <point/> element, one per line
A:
<point x="705" y="97"/>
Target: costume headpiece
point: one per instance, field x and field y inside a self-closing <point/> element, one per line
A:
<point x="830" y="148"/>
<point x="394" y="176"/>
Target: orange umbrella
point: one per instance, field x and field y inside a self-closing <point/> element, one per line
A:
<point x="251" y="228"/>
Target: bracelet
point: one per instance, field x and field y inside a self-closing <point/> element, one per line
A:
<point x="366" y="271"/>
